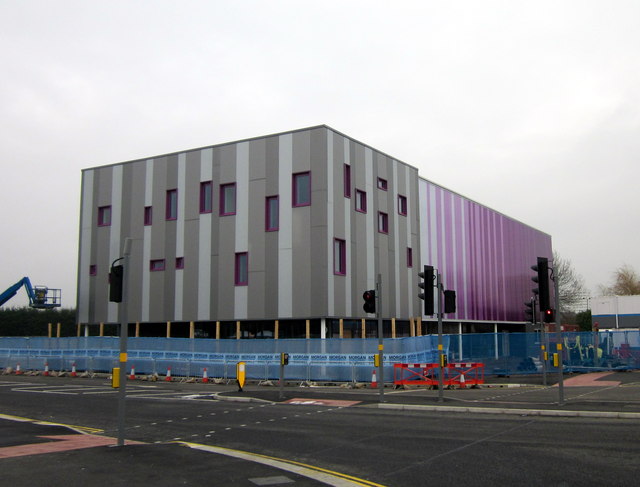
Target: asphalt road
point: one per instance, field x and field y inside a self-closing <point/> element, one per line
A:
<point x="370" y="445"/>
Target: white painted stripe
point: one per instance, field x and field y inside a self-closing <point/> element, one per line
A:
<point x="179" y="280"/>
<point x="86" y="238"/>
<point x="146" y="247"/>
<point x="324" y="476"/>
<point x="395" y="218"/>
<point x="347" y="237"/>
<point x="285" y="233"/>
<point x="371" y="219"/>
<point x="241" y="294"/>
<point x="330" y="229"/>
<point x="204" y="244"/>
<point x="115" y="229"/>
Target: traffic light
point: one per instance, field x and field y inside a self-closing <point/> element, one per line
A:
<point x="449" y="301"/>
<point x="543" y="282"/>
<point x="549" y="315"/>
<point x="369" y="305"/>
<point x="426" y="284"/>
<point x="284" y="358"/>
<point x="115" y="283"/>
<point x="529" y="312"/>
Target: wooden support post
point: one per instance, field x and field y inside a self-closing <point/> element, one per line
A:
<point x="308" y="329"/>
<point x="341" y="328"/>
<point x="168" y="329"/>
<point x="137" y="329"/>
<point x="217" y="330"/>
<point x="238" y="330"/>
<point x="192" y="329"/>
<point x="419" y="322"/>
<point x="78" y="330"/>
<point x="49" y="327"/>
<point x="101" y="329"/>
<point x="363" y="322"/>
<point x="58" y="328"/>
<point x="276" y="331"/>
<point x="393" y="327"/>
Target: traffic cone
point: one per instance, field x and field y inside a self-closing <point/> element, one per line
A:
<point x="374" y="380"/>
<point x="462" y="381"/>
<point x="46" y="369"/>
<point x="73" y="370"/>
<point x="205" y="377"/>
<point x="18" y="371"/>
<point x="168" y="377"/>
<point x="132" y="375"/>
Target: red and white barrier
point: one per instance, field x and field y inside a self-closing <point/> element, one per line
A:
<point x="46" y="369"/>
<point x="132" y="375"/>
<point x="374" y="380"/>
<point x="205" y="377"/>
<point x="168" y="376"/>
<point x="18" y="371"/>
<point x="73" y="370"/>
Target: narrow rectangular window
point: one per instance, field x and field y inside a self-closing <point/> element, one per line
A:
<point x="156" y="265"/>
<point x="382" y="184"/>
<point x="205" y="196"/>
<point x="172" y="204"/>
<point x="179" y="262"/>
<point x="402" y="205"/>
<point x="409" y="257"/>
<point x="242" y="269"/>
<point x="104" y="216"/>
<point x="228" y="199"/>
<point x="148" y="215"/>
<point x="347" y="181"/>
<point x="272" y="207"/>
<point x="361" y="201"/>
<point x="93" y="270"/>
<point x="383" y="222"/>
<point x="339" y="257"/>
<point x="302" y="189"/>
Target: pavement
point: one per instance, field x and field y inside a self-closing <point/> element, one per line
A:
<point x="603" y="394"/>
<point x="40" y="453"/>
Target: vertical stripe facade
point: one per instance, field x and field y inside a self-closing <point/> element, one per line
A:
<point x="481" y="254"/>
<point x="328" y="246"/>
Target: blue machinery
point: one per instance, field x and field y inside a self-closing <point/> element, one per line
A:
<point x="40" y="297"/>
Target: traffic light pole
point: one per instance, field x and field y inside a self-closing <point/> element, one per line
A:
<point x="440" y="346"/>
<point x="124" y="333"/>
<point x="380" y="336"/>
<point x="559" y="335"/>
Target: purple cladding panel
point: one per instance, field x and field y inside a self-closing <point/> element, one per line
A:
<point x="483" y="255"/>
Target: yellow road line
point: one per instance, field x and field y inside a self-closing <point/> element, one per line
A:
<point x="329" y="477"/>
<point x="80" y="429"/>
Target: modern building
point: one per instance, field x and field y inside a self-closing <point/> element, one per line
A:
<point x="279" y="236"/>
<point x="615" y="312"/>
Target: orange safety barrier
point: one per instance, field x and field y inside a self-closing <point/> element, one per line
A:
<point x="461" y="374"/>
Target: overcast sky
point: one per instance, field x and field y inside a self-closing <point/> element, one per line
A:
<point x="531" y="108"/>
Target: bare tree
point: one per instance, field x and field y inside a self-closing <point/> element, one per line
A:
<point x="571" y="287"/>
<point x="626" y="282"/>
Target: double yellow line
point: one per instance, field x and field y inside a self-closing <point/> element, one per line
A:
<point x="329" y="477"/>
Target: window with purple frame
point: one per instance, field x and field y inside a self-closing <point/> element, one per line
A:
<point x="148" y="215"/>
<point x="227" y="199"/>
<point x="402" y="205"/>
<point x="172" y="205"/>
<point x="271" y="216"/>
<point x="242" y="269"/>
<point x="409" y="257"/>
<point x="361" y="201"/>
<point x="206" y="196"/>
<point x="93" y="270"/>
<point x="383" y="222"/>
<point x="156" y="265"/>
<point x="382" y="184"/>
<point x="347" y="181"/>
<point x="301" y="189"/>
<point x="339" y="257"/>
<point x="104" y="216"/>
<point x="179" y="262"/>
